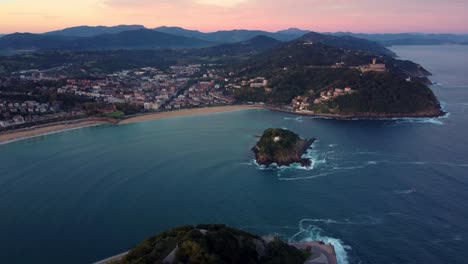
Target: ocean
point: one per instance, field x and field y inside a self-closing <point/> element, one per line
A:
<point x="381" y="191"/>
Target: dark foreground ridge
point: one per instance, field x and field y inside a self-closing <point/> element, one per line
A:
<point x="281" y="147"/>
<point x="221" y="244"/>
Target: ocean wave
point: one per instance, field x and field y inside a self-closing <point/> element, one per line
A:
<point x="275" y="167"/>
<point x="312" y="232"/>
<point x="299" y="119"/>
<point x="409" y="191"/>
<point x="305" y="177"/>
<point x="450" y="164"/>
<point x="433" y="121"/>
<point x="333" y="145"/>
<point x="349" y="168"/>
<point x="358" y="220"/>
<point x="456" y="238"/>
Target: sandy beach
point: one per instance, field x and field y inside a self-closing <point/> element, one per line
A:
<point x="47" y="129"/>
<point x="188" y="112"/>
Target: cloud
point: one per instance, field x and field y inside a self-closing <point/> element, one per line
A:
<point x="143" y="3"/>
<point x="209" y="15"/>
<point x="222" y="3"/>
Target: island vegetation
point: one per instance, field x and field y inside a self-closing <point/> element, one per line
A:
<point x="281" y="147"/>
<point x="212" y="244"/>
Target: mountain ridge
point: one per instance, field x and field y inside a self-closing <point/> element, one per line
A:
<point x="91" y="31"/>
<point x="133" y="39"/>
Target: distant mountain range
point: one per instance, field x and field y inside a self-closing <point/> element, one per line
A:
<point x="139" y="37"/>
<point x="134" y="39"/>
<point x="231" y="36"/>
<point x="87" y="31"/>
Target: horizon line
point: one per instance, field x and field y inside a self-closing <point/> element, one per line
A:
<point x="202" y="31"/>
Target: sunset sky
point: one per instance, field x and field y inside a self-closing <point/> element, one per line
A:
<point x="370" y="16"/>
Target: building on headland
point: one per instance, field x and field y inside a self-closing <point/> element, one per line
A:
<point x="258" y="82"/>
<point x="303" y="103"/>
<point x="374" y="67"/>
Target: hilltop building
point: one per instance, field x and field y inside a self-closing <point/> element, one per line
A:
<point x="374" y="67"/>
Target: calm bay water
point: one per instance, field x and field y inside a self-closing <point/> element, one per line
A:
<point x="381" y="191"/>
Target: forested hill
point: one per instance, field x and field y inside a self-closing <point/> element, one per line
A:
<point x="301" y="53"/>
<point x="212" y="244"/>
<point x="308" y="69"/>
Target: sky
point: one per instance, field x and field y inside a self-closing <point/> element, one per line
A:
<point x="364" y="16"/>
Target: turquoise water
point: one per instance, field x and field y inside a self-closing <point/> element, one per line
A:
<point x="380" y="191"/>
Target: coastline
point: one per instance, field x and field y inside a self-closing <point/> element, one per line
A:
<point x="58" y="127"/>
<point x="188" y="112"/>
<point x="52" y="128"/>
<point x="364" y="116"/>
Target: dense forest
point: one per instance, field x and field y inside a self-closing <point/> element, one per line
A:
<point x="375" y="92"/>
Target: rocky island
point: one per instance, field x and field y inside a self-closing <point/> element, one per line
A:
<point x="281" y="147"/>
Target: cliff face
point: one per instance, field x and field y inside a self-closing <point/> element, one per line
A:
<point x="282" y="147"/>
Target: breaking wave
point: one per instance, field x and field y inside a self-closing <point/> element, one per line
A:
<point x="309" y="232"/>
<point x="316" y="159"/>
<point x="409" y="191"/>
<point x="402" y="121"/>
<point x="299" y="119"/>
<point x="305" y="177"/>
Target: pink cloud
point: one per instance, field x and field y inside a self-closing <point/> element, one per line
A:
<point x="318" y="15"/>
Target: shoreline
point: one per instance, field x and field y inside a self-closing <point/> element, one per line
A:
<point x="188" y="112"/>
<point x="64" y="126"/>
<point x="364" y="116"/>
<point x="52" y="128"/>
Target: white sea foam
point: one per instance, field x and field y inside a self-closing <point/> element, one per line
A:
<point x="349" y="168"/>
<point x="305" y="177"/>
<point x="361" y="220"/>
<point x="298" y="119"/>
<point x="316" y="159"/>
<point x="435" y="121"/>
<point x="310" y="232"/>
<point x="409" y="191"/>
<point x="428" y="163"/>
